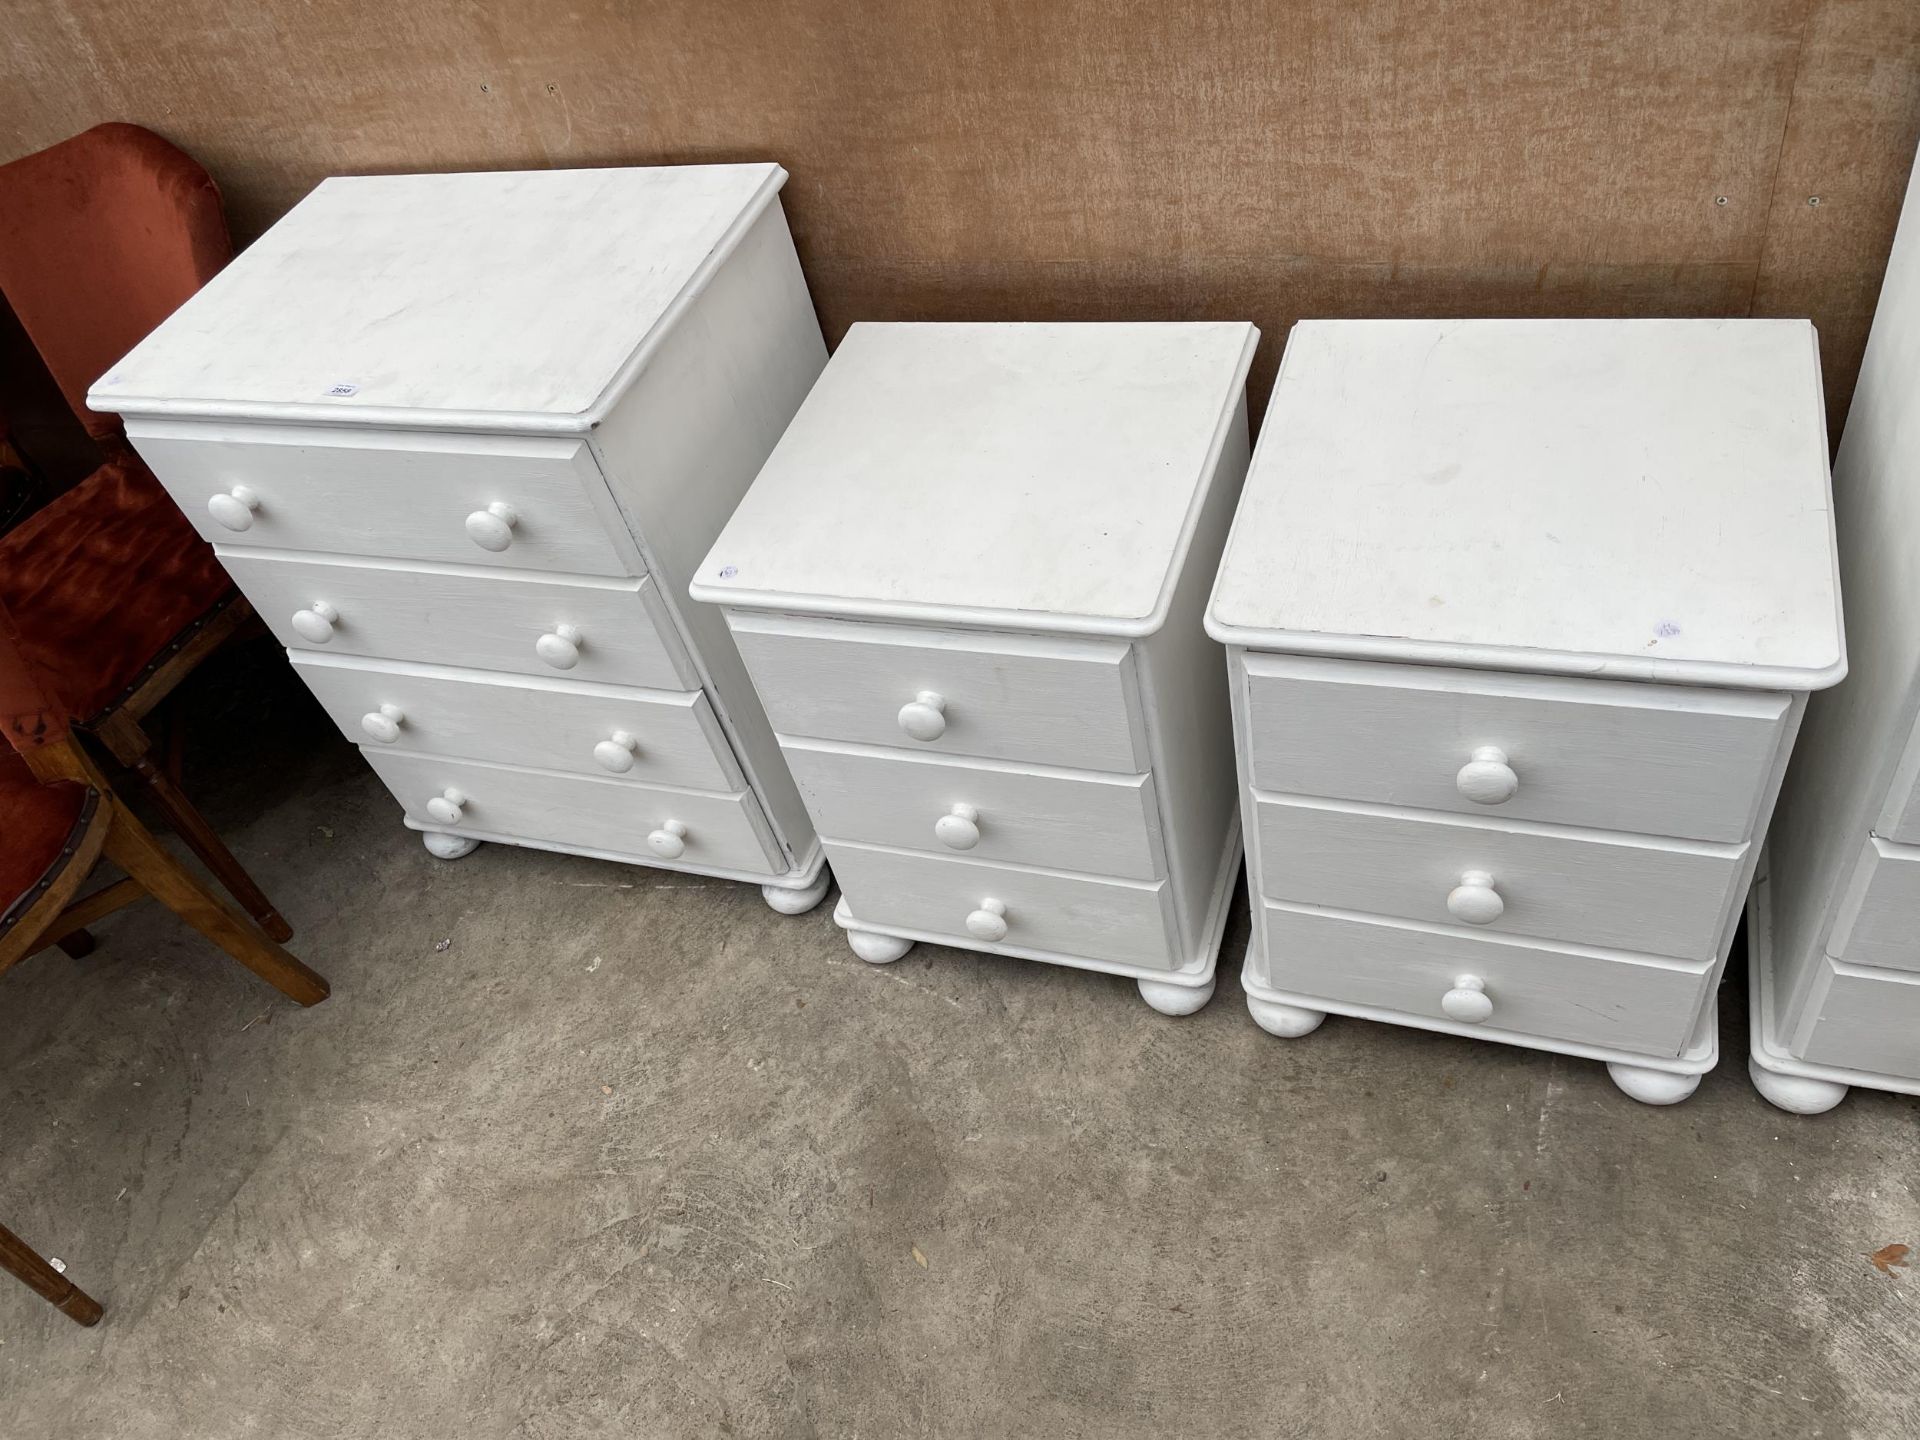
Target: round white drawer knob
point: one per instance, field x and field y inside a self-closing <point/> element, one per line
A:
<point x="925" y="716"/>
<point x="384" y="724"/>
<point x="492" y="528"/>
<point x="669" y="842"/>
<point x="1468" y="1001"/>
<point x="315" y="624"/>
<point x="559" y="647"/>
<point x="989" y="922"/>
<point x="959" y="828"/>
<point x="617" y="750"/>
<point x="235" y="508"/>
<point x="449" y="807"/>
<point x="1474" y="899"/>
<point x="1487" y="779"/>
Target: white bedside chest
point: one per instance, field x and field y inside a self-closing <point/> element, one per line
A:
<point x="1521" y="614"/>
<point x="1834" y="925"/>
<point x="461" y="440"/>
<point x="968" y="584"/>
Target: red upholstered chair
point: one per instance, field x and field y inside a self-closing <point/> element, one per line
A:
<point x="115" y="596"/>
<point x="59" y="815"/>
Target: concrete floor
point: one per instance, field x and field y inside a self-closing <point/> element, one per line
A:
<point x="633" y="1156"/>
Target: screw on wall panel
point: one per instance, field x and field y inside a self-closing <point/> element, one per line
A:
<point x="1813" y="199"/>
<point x="486" y="89"/>
<point x="1719" y="199"/>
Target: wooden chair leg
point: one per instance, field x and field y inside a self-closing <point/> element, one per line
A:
<point x="45" y="1281"/>
<point x="132" y="847"/>
<point x="132" y="747"/>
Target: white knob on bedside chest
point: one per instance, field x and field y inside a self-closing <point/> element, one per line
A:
<point x="617" y="750"/>
<point x="449" y="807"/>
<point x="315" y="624"/>
<point x="235" y="508"/>
<point x="559" y="647"/>
<point x="958" y="828"/>
<point x="925" y="716"/>
<point x="1474" y="899"/>
<point x="1468" y="1001"/>
<point x="492" y="528"/>
<point x="384" y="724"/>
<point x="1487" y="779"/>
<point x="669" y="842"/>
<point x="989" y="922"/>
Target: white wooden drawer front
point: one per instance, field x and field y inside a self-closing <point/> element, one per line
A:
<point x="665" y="737"/>
<point x="1067" y="914"/>
<point x="721" y="831"/>
<point x="1008" y="697"/>
<point x="1620" y="892"/>
<point x="1626" y="1002"/>
<point x="1878" y="922"/>
<point x="1862" y="1020"/>
<point x="393" y="493"/>
<point x="1098" y="824"/>
<point x="485" y="621"/>
<point x="1650" y="759"/>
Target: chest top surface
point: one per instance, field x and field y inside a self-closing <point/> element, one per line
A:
<point x="382" y="297"/>
<point x="1038" y="475"/>
<point x="1646" y="499"/>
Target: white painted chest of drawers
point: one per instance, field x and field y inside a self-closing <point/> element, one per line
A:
<point x="461" y="440"/>
<point x="1521" y="616"/>
<point x="1834" y="924"/>
<point x="968" y="584"/>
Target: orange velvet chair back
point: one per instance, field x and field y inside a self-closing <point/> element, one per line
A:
<point x="101" y="238"/>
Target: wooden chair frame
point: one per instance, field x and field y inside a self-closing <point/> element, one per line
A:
<point x="121" y="729"/>
<point x="60" y="917"/>
<point x="45" y="1281"/>
<point x="43" y="730"/>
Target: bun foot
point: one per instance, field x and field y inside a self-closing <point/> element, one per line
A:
<point x="447" y="847"/>
<point x="1653" y="1087"/>
<point x="1796" y="1093"/>
<point x="796" y="902"/>
<point x="875" y="948"/>
<point x="1175" y="999"/>
<point x="1289" y="1022"/>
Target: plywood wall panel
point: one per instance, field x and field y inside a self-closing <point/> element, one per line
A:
<point x="1856" y="104"/>
<point x="1142" y="158"/>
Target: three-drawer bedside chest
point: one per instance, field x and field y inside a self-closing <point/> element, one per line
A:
<point x="968" y="584"/>
<point x="1521" y="617"/>
<point x="461" y="440"/>
<point x="1833" y="928"/>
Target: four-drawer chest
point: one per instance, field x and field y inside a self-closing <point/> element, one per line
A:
<point x="968" y="585"/>
<point x="461" y="440"/>
<point x="1521" y="619"/>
